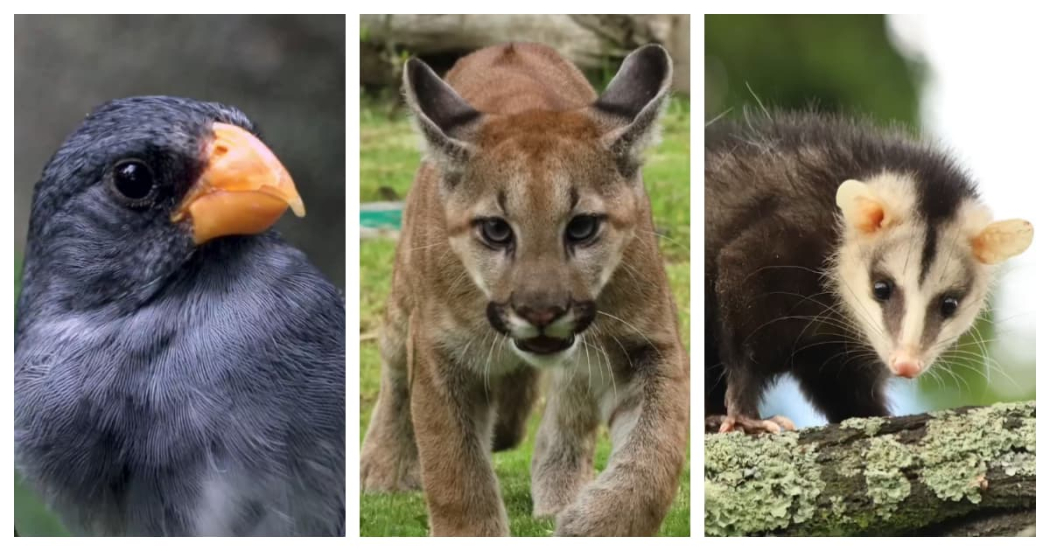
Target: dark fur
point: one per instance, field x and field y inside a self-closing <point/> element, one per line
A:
<point x="147" y="368"/>
<point x="770" y="186"/>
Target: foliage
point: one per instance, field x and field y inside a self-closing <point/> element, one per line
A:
<point x="832" y="62"/>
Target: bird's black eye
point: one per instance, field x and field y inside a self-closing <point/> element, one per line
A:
<point x="496" y="232"/>
<point x="582" y="228"/>
<point x="133" y="181"/>
<point x="882" y="289"/>
<point x="948" y="306"/>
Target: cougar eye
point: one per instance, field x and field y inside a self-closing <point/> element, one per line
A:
<point x="948" y="306"/>
<point x="581" y="228"/>
<point x="496" y="232"/>
<point x="133" y="182"/>
<point x="882" y="290"/>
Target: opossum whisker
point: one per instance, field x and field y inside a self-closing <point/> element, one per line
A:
<point x="998" y="369"/>
<point x="865" y="312"/>
<point x="939" y="367"/>
<point x="786" y="266"/>
<point x="950" y="363"/>
<point x="959" y="353"/>
<point x="779" y="319"/>
<point x="837" y="355"/>
<point x="994" y="321"/>
<point x="937" y="377"/>
<point x="799" y="295"/>
<point x="966" y="358"/>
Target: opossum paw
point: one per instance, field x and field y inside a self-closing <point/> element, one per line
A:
<point x="771" y="425"/>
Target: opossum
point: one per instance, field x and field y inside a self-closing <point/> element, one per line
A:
<point x="839" y="252"/>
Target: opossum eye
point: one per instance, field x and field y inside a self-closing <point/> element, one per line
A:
<point x="948" y="306"/>
<point x="882" y="290"/>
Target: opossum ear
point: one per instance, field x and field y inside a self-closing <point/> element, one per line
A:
<point x="1001" y="240"/>
<point x="863" y="210"/>
<point x="446" y="121"/>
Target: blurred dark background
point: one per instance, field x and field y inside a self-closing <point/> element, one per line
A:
<point x="286" y="72"/>
<point x="872" y="66"/>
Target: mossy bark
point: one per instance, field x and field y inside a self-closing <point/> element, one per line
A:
<point x="964" y="471"/>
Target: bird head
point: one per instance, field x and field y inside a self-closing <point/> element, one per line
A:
<point x="144" y="184"/>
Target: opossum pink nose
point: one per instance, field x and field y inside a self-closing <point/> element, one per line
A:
<point x="907" y="368"/>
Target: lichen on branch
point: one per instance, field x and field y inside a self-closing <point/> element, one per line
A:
<point x="885" y="476"/>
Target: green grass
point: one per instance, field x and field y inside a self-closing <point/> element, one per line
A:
<point x="389" y="158"/>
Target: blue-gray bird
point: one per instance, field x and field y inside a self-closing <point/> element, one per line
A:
<point x="179" y="369"/>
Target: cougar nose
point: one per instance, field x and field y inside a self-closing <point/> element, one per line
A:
<point x="540" y="316"/>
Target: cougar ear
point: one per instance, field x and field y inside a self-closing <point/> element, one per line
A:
<point x="1001" y="240"/>
<point x="445" y="119"/>
<point x="863" y="210"/>
<point x="631" y="105"/>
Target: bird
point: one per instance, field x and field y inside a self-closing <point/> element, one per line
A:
<point x="179" y="367"/>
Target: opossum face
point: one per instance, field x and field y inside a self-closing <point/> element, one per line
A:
<point x="914" y="283"/>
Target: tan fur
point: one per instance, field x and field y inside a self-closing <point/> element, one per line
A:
<point x="468" y="391"/>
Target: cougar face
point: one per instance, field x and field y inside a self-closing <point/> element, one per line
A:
<point x="539" y="204"/>
<point x="540" y="220"/>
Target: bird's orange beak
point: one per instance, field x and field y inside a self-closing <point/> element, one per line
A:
<point x="244" y="188"/>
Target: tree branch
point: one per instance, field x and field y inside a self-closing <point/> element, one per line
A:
<point x="963" y="471"/>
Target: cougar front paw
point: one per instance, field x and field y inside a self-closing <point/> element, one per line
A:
<point x="381" y="473"/>
<point x="599" y="512"/>
<point x="549" y="506"/>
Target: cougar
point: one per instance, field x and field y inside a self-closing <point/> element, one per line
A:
<point x="528" y="246"/>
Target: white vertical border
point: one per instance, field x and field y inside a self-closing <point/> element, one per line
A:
<point x="353" y="272"/>
<point x="8" y="268"/>
<point x="696" y="273"/>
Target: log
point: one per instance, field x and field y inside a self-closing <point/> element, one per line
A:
<point x="592" y="42"/>
<point x="966" y="471"/>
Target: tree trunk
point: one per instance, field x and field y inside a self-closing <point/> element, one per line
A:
<point x="968" y="471"/>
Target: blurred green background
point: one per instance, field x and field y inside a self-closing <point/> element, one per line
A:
<point x="873" y="66"/>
